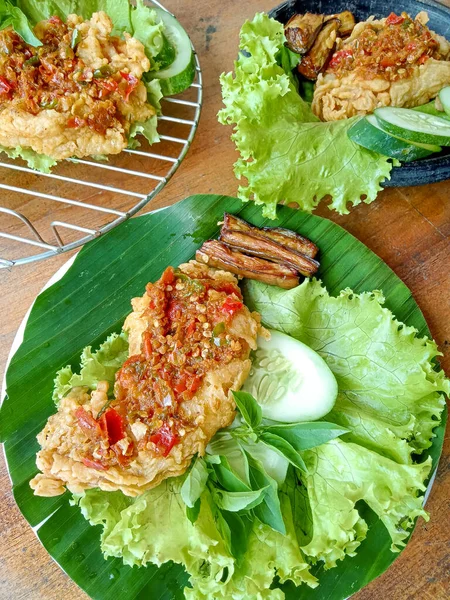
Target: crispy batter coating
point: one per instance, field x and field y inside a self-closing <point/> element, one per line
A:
<point x="190" y="338"/>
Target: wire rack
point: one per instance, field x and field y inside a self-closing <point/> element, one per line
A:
<point x="45" y="214"/>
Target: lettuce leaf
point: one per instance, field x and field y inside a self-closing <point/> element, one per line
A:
<point x="13" y="16"/>
<point x="154" y="528"/>
<point x="287" y="154"/>
<point x="390" y="395"/>
<point x="390" y="398"/>
<point x="340" y="474"/>
<point x="95" y="366"/>
<point x="40" y="162"/>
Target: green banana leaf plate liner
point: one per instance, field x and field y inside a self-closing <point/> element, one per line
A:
<point x="90" y="302"/>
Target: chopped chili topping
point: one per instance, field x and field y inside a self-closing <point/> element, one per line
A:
<point x="53" y="76"/>
<point x="231" y="306"/>
<point x="391" y="52"/>
<point x="188" y="335"/>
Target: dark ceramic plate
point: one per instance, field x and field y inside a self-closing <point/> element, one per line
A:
<point x="427" y="170"/>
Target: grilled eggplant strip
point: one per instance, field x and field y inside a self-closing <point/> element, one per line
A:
<point x="315" y="60"/>
<point x="258" y="245"/>
<point x="301" y="31"/>
<point x="285" y="237"/>
<point x="219" y="255"/>
<point x="347" y="22"/>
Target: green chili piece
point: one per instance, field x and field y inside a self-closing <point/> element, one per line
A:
<point x="76" y="36"/>
<point x="219" y="328"/>
<point x="49" y="103"/>
<point x="34" y="60"/>
<point x="104" y="71"/>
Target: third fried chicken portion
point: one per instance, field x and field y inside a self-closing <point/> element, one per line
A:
<point x="190" y="336"/>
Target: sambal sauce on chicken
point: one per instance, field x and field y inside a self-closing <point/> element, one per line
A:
<point x="190" y="338"/>
<point x="77" y="94"/>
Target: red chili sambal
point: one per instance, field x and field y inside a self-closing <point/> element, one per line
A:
<point x="53" y="76"/>
<point x="391" y="52"/>
<point x="189" y="334"/>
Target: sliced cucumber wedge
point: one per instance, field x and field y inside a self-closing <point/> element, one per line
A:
<point x="290" y="381"/>
<point x="414" y="126"/>
<point x="368" y="133"/>
<point x="181" y="72"/>
<point x="430" y="109"/>
<point x="444" y="97"/>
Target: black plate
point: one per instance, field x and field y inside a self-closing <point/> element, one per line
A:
<point x="427" y="170"/>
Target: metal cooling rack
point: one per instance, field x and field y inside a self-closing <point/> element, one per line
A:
<point x="29" y="200"/>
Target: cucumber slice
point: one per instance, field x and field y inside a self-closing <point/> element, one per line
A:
<point x="290" y="381"/>
<point x="444" y="97"/>
<point x="181" y="72"/>
<point x="367" y="133"/>
<point x="414" y="126"/>
<point x="166" y="55"/>
<point x="430" y="109"/>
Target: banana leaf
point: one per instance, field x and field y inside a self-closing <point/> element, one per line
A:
<point x="91" y="301"/>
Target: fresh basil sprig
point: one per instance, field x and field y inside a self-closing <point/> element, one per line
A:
<point x="287" y="439"/>
<point x="237" y="486"/>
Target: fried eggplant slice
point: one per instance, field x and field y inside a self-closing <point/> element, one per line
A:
<point x="258" y="245"/>
<point x="301" y="31"/>
<point x="316" y="59"/>
<point x="217" y="254"/>
<point x="347" y="22"/>
<point x="282" y="236"/>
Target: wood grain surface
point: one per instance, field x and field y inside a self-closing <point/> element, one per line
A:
<point x="409" y="228"/>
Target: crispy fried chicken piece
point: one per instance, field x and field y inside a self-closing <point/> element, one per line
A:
<point x="190" y="338"/>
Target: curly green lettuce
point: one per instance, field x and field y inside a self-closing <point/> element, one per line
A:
<point x="287" y="154"/>
<point x="390" y="395"/>
<point x="154" y="528"/>
<point x="100" y="365"/>
<point x="390" y="398"/>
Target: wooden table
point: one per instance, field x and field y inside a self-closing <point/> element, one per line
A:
<point x="408" y="228"/>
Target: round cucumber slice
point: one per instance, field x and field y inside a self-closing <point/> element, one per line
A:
<point x="367" y="133"/>
<point x="444" y="97"/>
<point x="181" y="72"/>
<point x="414" y="126"/>
<point x="290" y="381"/>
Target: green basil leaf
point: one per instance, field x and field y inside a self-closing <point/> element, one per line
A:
<point x="303" y="436"/>
<point x="240" y="527"/>
<point x="227" y="478"/>
<point x="269" y="511"/>
<point x="192" y="513"/>
<point x="249" y="408"/>
<point x="223" y="444"/>
<point x="223" y="528"/>
<point x="284" y="448"/>
<point x="195" y="482"/>
<point x="297" y="493"/>
<point x="236" y="501"/>
<point x="212" y="459"/>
